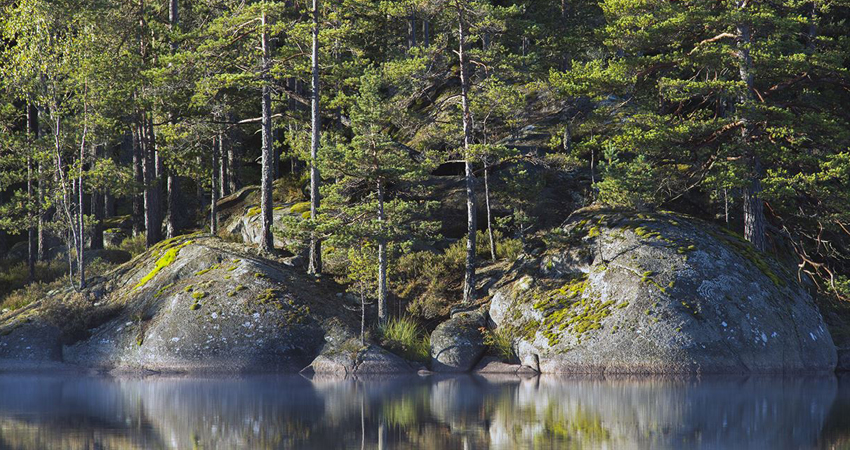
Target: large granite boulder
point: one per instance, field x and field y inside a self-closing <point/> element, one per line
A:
<point x="618" y="292"/>
<point x="458" y="343"/>
<point x="196" y="304"/>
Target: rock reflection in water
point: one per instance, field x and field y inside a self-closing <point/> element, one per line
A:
<point x="272" y="412"/>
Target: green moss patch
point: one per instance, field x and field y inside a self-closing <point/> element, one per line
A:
<point x="169" y="254"/>
<point x="300" y="208"/>
<point x="162" y="290"/>
<point x="253" y="211"/>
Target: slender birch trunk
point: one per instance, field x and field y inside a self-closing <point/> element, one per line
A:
<point x="469" y="278"/>
<point x="32" y="209"/>
<point x="315" y="258"/>
<point x="383" y="291"/>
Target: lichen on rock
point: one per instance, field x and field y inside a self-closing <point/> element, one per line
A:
<point x="622" y="292"/>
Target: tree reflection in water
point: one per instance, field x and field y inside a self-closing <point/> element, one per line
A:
<point x="475" y="412"/>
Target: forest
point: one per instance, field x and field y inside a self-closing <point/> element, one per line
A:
<point x="415" y="144"/>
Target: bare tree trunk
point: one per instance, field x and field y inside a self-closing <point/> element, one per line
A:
<point x="266" y="238"/>
<point x="42" y="237"/>
<point x="426" y="32"/>
<point x="223" y="168"/>
<point x="97" y="213"/>
<point x="148" y="177"/>
<point x="214" y="189"/>
<point x="171" y="199"/>
<point x="315" y="261"/>
<point x="81" y="265"/>
<point x="489" y="212"/>
<point x="154" y="232"/>
<point x="67" y="195"/>
<point x="108" y="205"/>
<point x="233" y="165"/>
<point x="171" y="183"/>
<point x="411" y="29"/>
<point x="383" y="291"/>
<point x="32" y="208"/>
<point x="754" y="221"/>
<point x="138" y="175"/>
<point x="754" y="208"/>
<point x="469" y="278"/>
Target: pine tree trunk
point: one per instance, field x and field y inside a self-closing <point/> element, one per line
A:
<point x="138" y="175"/>
<point x="32" y="209"/>
<point x="426" y="33"/>
<point x="214" y="189"/>
<point x="754" y="221"/>
<point x="233" y="181"/>
<point x="148" y="179"/>
<point x="754" y="209"/>
<point x="171" y="198"/>
<point x="42" y="237"/>
<point x="156" y="183"/>
<point x="266" y="238"/>
<point x="469" y="278"/>
<point x="81" y="262"/>
<point x="224" y="186"/>
<point x="97" y="213"/>
<point x="383" y="291"/>
<point x="315" y="258"/>
<point x="171" y="182"/>
<point x="489" y="213"/>
<point x="411" y="30"/>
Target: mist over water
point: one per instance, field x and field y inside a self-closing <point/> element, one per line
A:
<point x="474" y="412"/>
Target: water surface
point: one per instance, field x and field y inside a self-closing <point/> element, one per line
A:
<point x="474" y="412"/>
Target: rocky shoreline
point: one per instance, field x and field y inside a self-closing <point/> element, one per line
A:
<point x="610" y="293"/>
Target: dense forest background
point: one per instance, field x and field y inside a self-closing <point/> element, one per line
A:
<point x="375" y="121"/>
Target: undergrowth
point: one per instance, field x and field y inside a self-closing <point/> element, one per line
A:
<point x="404" y="336"/>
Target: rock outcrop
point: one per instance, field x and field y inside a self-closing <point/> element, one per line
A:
<point x="618" y="292"/>
<point x="191" y="304"/>
<point x="458" y="344"/>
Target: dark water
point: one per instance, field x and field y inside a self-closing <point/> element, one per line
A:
<point x="271" y="412"/>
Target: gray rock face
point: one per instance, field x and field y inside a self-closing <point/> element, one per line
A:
<point x="249" y="227"/>
<point x="344" y="355"/>
<point x="31" y="342"/>
<point x="634" y="293"/>
<point x="490" y="365"/>
<point x="354" y="359"/>
<point x="457" y="344"/>
<point x="208" y="310"/>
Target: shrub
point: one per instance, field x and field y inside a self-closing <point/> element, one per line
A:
<point x="431" y="281"/>
<point x="32" y="292"/>
<point x="290" y="188"/>
<point x="506" y="249"/>
<point x="404" y="336"/>
<point x="500" y="344"/>
<point x="15" y="275"/>
<point x="134" y="244"/>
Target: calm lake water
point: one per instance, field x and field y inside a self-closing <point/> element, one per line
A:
<point x="271" y="412"/>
